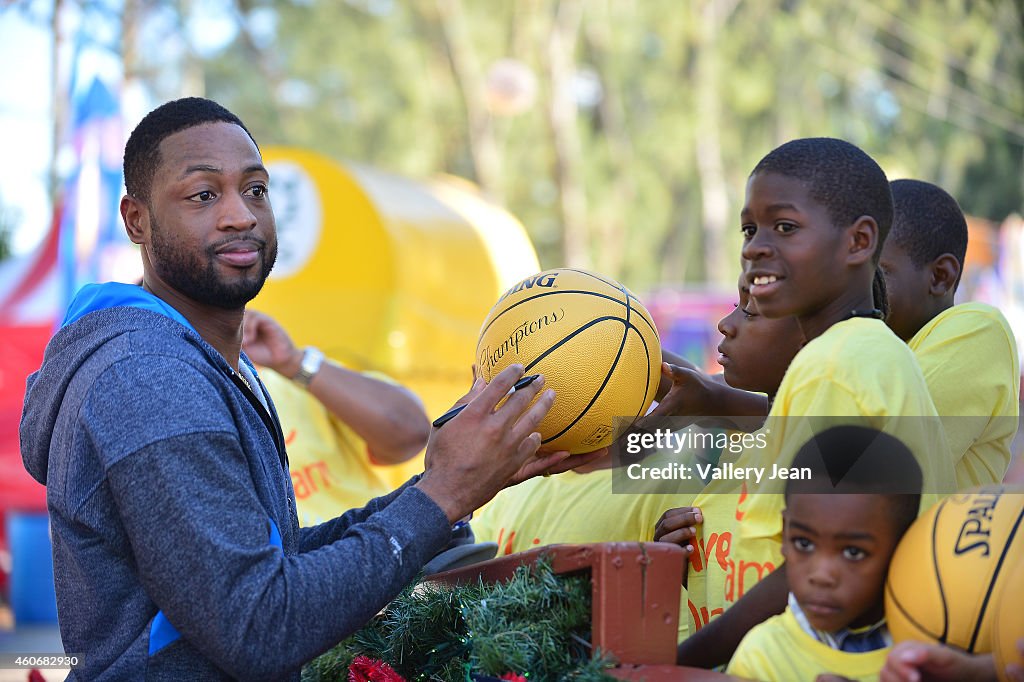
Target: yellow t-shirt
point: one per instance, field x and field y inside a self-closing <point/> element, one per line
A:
<point x="572" y="508"/>
<point x="778" y="650"/>
<point x="857" y="372"/>
<point x="968" y="356"/>
<point x="723" y="567"/>
<point x="330" y="465"/>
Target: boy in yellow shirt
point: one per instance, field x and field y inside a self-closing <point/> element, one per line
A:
<point x="816" y="213"/>
<point x="841" y="527"/>
<point x="967" y="352"/>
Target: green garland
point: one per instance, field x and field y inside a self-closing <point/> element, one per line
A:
<point x="537" y="625"/>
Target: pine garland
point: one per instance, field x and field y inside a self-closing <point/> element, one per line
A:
<point x="537" y="625"/>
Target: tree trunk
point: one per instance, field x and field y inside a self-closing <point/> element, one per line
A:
<point x="611" y="229"/>
<point x="562" y="112"/>
<point x="483" y="144"/>
<point x="718" y="265"/>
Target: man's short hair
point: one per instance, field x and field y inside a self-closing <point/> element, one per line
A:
<point x="142" y="153"/>
<point x="839" y="176"/>
<point x="927" y="222"/>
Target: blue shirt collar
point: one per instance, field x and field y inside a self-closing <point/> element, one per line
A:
<point x="93" y="297"/>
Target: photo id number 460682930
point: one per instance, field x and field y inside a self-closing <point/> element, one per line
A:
<point x="40" y="661"/>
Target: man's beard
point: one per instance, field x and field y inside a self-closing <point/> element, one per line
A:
<point x="197" y="276"/>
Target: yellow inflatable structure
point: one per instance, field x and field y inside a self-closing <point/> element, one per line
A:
<point x="384" y="273"/>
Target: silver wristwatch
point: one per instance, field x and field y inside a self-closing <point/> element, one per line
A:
<point x="312" y="359"/>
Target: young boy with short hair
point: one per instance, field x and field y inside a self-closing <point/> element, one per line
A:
<point x="967" y="352"/>
<point x="816" y="213"/>
<point x="841" y="527"/>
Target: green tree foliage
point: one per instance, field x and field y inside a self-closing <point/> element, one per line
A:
<point x="649" y="115"/>
<point x="10" y="218"/>
<point x="537" y="623"/>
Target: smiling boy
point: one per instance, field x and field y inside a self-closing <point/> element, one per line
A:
<point x="838" y="540"/>
<point x="816" y="213"/>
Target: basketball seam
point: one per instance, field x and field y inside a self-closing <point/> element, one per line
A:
<point x="585" y="273"/>
<point x="903" y="611"/>
<point x="650" y="323"/>
<point x="628" y="327"/>
<point x="625" y="304"/>
<point x="995" y="576"/>
<point x="542" y="295"/>
<point x="607" y="376"/>
<point x="647" y="386"/>
<point x="938" y="575"/>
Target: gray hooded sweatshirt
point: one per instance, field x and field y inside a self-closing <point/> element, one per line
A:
<point x="177" y="550"/>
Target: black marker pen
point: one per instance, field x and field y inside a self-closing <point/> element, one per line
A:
<point x="450" y="414"/>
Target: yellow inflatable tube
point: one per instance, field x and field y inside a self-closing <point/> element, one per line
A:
<point x="389" y="274"/>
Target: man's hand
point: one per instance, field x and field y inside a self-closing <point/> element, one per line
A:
<point x="485" y="447"/>
<point x="547" y="464"/>
<point x="676" y="526"/>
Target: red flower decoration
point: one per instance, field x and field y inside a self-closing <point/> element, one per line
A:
<point x="366" y="669"/>
<point x="513" y="677"/>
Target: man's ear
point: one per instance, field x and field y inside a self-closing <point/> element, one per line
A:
<point x="135" y="215"/>
<point x="945" y="272"/>
<point x="863" y="240"/>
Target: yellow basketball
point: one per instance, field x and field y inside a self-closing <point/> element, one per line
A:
<point x="594" y="342"/>
<point x="1008" y="622"/>
<point x="951" y="564"/>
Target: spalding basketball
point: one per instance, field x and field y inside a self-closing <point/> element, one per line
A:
<point x="951" y="564"/>
<point x="593" y="341"/>
<point x="1008" y="622"/>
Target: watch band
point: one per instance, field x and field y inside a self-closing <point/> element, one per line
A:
<point x="312" y="360"/>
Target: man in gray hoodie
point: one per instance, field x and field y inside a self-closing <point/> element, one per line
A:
<point x="177" y="550"/>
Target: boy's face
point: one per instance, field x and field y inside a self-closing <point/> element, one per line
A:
<point x="907" y="288"/>
<point x="796" y="253"/>
<point x="837" y="549"/>
<point x="756" y="351"/>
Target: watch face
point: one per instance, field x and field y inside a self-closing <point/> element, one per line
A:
<point x="312" y="358"/>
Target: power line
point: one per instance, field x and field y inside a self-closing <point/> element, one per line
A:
<point x="1001" y="81"/>
<point x="1016" y="130"/>
<point x="993" y="112"/>
<point x="960" y="97"/>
